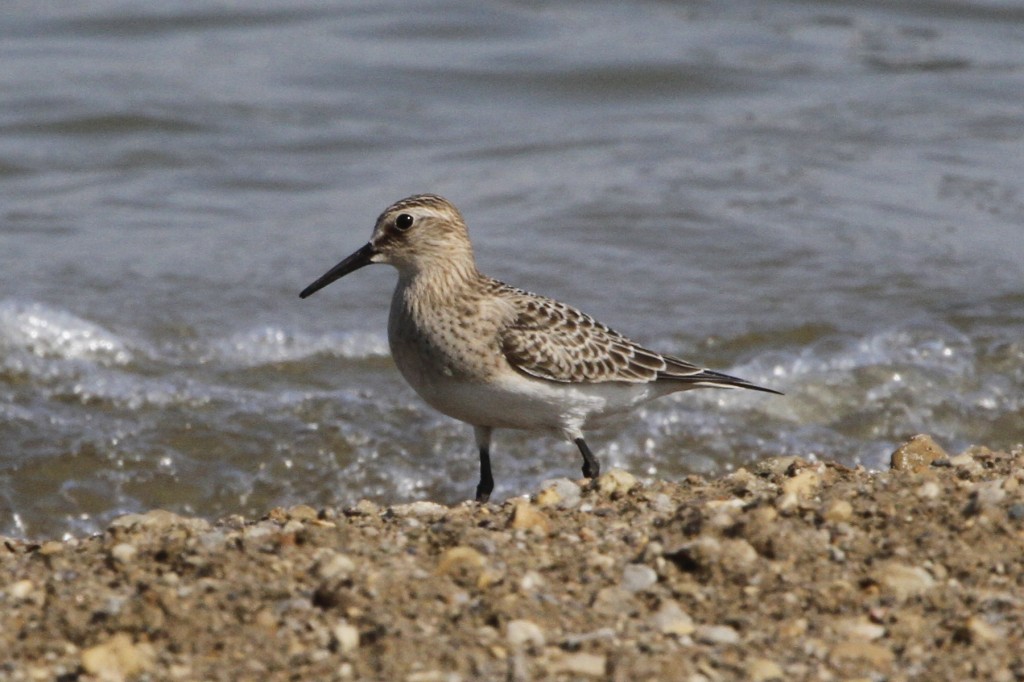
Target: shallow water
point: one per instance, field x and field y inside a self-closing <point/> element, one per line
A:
<point x="821" y="197"/>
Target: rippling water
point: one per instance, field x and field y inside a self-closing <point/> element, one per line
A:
<point x="822" y="197"/>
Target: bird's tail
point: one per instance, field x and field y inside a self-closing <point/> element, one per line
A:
<point x="707" y="378"/>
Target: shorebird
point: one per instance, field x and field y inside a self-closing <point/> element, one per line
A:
<point x="498" y="357"/>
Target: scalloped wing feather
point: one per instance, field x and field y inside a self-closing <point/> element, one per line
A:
<point x="550" y="340"/>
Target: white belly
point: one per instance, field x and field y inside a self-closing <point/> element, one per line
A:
<point x="513" y="401"/>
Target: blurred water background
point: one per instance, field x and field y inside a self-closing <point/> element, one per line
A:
<point x="823" y="197"/>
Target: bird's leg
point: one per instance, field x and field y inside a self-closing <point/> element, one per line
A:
<point x="486" y="484"/>
<point x="591" y="469"/>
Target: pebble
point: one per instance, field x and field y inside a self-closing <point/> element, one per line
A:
<point x="363" y="508"/>
<point x="118" y="658"/>
<point x="986" y="495"/>
<point x="800" y="487"/>
<point x="929" y="490"/>
<point x="331" y="565"/>
<point x="616" y="483"/>
<point x="467" y="567"/>
<point x="662" y="504"/>
<point x="638" y="577"/>
<point x="612" y="601"/>
<point x="50" y="548"/>
<point x="670" y="619"/>
<point x="521" y="633"/>
<point x="838" y="511"/>
<point x="584" y="664"/>
<point x="559" y="492"/>
<point x="458" y="557"/>
<point x="158" y="519"/>
<point x="123" y="552"/>
<point x="433" y="676"/>
<point x="345" y="637"/>
<point x="861" y="628"/>
<point x="904" y="581"/>
<point x="979" y="630"/>
<point x="420" y="508"/>
<point x="764" y="670"/>
<point x="875" y="655"/>
<point x="967" y="462"/>
<point x="526" y="516"/>
<point x="917" y="454"/>
<point x="716" y="634"/>
<point x="21" y="590"/>
<point x="530" y="581"/>
<point x="302" y="512"/>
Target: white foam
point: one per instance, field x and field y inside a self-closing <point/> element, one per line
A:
<point x="52" y="333"/>
<point x="268" y="345"/>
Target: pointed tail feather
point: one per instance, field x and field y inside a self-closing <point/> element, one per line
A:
<point x="712" y="379"/>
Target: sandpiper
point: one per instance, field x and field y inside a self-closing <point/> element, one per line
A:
<point x="498" y="357"/>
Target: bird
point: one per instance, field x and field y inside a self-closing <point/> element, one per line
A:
<point x="498" y="357"/>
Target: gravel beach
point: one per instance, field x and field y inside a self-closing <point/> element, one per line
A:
<point x="787" y="570"/>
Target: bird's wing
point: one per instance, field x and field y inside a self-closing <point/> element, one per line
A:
<point x="550" y="340"/>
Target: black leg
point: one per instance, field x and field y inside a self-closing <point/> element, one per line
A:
<point x="591" y="469"/>
<point x="486" y="484"/>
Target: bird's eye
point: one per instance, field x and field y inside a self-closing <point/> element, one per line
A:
<point x="403" y="222"/>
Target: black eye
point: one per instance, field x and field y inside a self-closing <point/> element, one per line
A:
<point x="403" y="222"/>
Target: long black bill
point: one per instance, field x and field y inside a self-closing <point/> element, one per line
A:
<point x="357" y="260"/>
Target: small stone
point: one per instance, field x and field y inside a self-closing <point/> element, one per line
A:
<point x="856" y="650"/>
<point x="302" y="512"/>
<point x="521" y="633"/>
<point x="1016" y="511"/>
<point x="123" y="553"/>
<point x="363" y="508"/>
<point x="978" y="631"/>
<point x="530" y="581"/>
<point x="525" y="516"/>
<point x="929" y="490"/>
<point x="777" y="466"/>
<point x="717" y="634"/>
<point x="706" y="553"/>
<point x="118" y="658"/>
<point x="986" y="495"/>
<point x="420" y="508"/>
<point x="764" y="670"/>
<point x="158" y="519"/>
<point x="670" y="619"/>
<point x="51" y="547"/>
<point x="463" y="564"/>
<point x="803" y="484"/>
<point x="331" y="565"/>
<point x="839" y="511"/>
<point x="966" y="462"/>
<point x="433" y="676"/>
<point x="861" y="628"/>
<point x="616" y="483"/>
<point x="560" y="492"/>
<point x="583" y="664"/>
<point x="662" y="504"/>
<point x="904" y="581"/>
<point x="917" y="454"/>
<point x="613" y="601"/>
<point x="21" y="589"/>
<point x="638" y="577"/>
<point x="345" y="637"/>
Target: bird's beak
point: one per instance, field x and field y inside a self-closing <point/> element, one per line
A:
<point x="359" y="259"/>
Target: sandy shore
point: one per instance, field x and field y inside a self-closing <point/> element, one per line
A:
<point x="789" y="570"/>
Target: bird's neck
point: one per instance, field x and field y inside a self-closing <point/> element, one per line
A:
<point x="444" y="277"/>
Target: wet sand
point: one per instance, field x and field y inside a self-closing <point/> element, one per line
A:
<point x="788" y="570"/>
